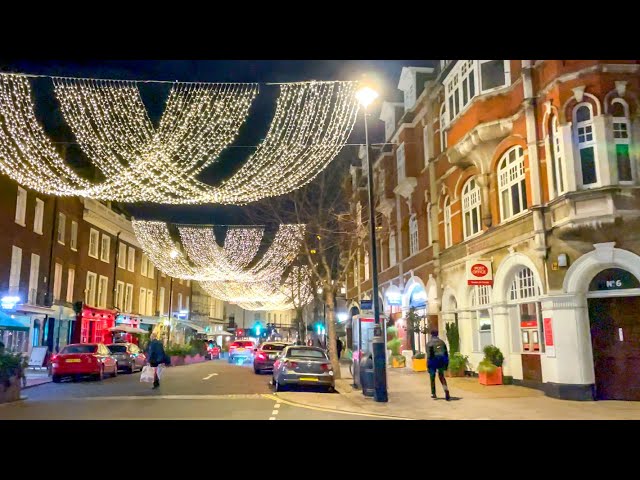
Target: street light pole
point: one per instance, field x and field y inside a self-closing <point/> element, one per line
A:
<point x="379" y="355"/>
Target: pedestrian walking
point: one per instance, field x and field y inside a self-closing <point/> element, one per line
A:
<point x="156" y="357"/>
<point x="437" y="361"/>
<point x="339" y="347"/>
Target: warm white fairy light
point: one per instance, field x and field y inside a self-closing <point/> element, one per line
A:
<point x="311" y="124"/>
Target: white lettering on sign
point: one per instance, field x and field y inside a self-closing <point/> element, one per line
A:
<point x="613" y="283"/>
<point x="620" y="335"/>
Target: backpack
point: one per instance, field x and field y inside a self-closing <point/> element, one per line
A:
<point x="440" y="349"/>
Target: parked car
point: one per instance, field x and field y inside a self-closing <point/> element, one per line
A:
<point x="265" y="356"/>
<point x="301" y="365"/>
<point x="241" y="349"/>
<point x="128" y="355"/>
<point x="213" y="350"/>
<point x="82" y="359"/>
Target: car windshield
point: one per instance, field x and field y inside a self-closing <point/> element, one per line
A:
<point x="272" y="347"/>
<point x="79" y="349"/>
<point x="307" y="352"/>
<point x="118" y="348"/>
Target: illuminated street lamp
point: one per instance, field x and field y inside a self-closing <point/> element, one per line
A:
<point x="366" y="96"/>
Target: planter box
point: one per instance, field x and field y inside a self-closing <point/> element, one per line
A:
<point x="494" y="378"/>
<point x="454" y="373"/>
<point x="176" y="360"/>
<point x="397" y="363"/>
<point x="419" y="364"/>
<point x="189" y="359"/>
<point x="10" y="393"/>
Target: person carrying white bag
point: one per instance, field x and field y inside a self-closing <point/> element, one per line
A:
<point x="156" y="357"/>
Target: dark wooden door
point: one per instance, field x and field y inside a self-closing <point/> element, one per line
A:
<point x="615" y="338"/>
<point x="531" y="367"/>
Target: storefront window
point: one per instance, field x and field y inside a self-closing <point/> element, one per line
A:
<point x="527" y="314"/>
<point x="481" y="316"/>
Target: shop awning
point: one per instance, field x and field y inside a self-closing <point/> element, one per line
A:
<point x="18" y="323"/>
<point x="127" y="329"/>
<point x="197" y="328"/>
<point x="222" y="333"/>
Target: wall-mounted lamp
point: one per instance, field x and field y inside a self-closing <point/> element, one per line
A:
<point x="562" y="260"/>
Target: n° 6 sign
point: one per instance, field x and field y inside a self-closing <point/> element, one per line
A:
<point x="479" y="272"/>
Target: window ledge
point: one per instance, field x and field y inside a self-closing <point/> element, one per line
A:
<point x="74" y="249"/>
<point x="21" y="224"/>
<point x="61" y="243"/>
<point x="39" y="233"/>
<point x="92" y="256"/>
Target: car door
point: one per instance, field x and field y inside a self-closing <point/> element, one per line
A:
<point x="108" y="359"/>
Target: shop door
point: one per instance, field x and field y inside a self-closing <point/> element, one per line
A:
<point x="615" y="338"/>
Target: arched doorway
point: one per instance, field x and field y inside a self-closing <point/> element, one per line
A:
<point x="614" y="320"/>
<point x="417" y="300"/>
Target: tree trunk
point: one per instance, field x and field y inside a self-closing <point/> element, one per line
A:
<point x="331" y="330"/>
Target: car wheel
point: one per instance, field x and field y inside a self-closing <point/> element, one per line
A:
<point x="132" y="367"/>
<point x="100" y="375"/>
<point x="115" y="370"/>
<point x="331" y="389"/>
<point x="56" y="378"/>
<point x="256" y="371"/>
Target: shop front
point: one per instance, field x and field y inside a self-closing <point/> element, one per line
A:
<point x="93" y="324"/>
<point x="415" y="298"/>
<point x="14" y="332"/>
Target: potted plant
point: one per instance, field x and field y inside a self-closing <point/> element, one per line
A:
<point x="457" y="365"/>
<point x="11" y="371"/>
<point x="453" y="336"/>
<point x="397" y="360"/>
<point x="490" y="368"/>
<point x="419" y="362"/>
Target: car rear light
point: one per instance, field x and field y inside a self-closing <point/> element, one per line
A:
<point x="326" y="367"/>
<point x="262" y="356"/>
<point x="292" y="364"/>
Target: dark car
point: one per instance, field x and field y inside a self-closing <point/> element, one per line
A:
<point x="298" y="365"/>
<point x="128" y="355"/>
<point x="265" y="356"/>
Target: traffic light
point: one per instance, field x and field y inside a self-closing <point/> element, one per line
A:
<point x="239" y="333"/>
<point x="320" y="330"/>
<point x="257" y="328"/>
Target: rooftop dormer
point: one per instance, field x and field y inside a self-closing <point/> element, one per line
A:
<point x="390" y="114"/>
<point x="412" y="80"/>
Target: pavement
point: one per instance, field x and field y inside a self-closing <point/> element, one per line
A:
<point x="213" y="390"/>
<point x="410" y="398"/>
<point x="219" y="390"/>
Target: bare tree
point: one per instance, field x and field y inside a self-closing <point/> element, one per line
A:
<point x="331" y="240"/>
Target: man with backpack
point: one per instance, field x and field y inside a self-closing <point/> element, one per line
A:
<point x="437" y="361"/>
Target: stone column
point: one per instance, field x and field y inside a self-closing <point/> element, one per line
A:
<point x="484" y="180"/>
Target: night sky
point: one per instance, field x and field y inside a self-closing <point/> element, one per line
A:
<point x="385" y="73"/>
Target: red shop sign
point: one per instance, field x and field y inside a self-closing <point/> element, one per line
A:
<point x="479" y="272"/>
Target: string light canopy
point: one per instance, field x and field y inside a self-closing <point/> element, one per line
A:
<point x="311" y="124"/>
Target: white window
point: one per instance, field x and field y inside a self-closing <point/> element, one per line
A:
<point x="447" y="223"/>
<point x="413" y="235"/>
<point x="467" y="82"/>
<point x="621" y="138"/>
<point x="429" y="226"/>
<point x="494" y="74"/>
<point x="511" y="183"/>
<point x="16" y="266"/>
<point x="393" y="259"/>
<point x="122" y="255"/>
<point x="57" y="282"/>
<point x="443" y="126"/>
<point x="410" y="96"/>
<point x="103" y="285"/>
<point x="143" y="265"/>
<point x="161" y="300"/>
<point x="74" y="236"/>
<point x="94" y="240"/>
<point x="150" y="309"/>
<point x="37" y="221"/>
<point x="90" y="289"/>
<point x="188" y="283"/>
<point x="33" y="278"/>
<point x="186" y="303"/>
<point x="151" y="270"/>
<point x="71" y="278"/>
<point x="471" y="208"/>
<point x="557" y="162"/>
<point x="62" y="224"/>
<point x="21" y="207"/>
<point x="105" y="247"/>
<point x="128" y="298"/>
<point x="425" y="147"/>
<point x="119" y="295"/>
<point x="526" y="314"/>
<point x="142" y="301"/>
<point x="179" y="302"/>
<point x="366" y="266"/>
<point x="131" y="260"/>
<point x="583" y="131"/>
<point x="481" y="315"/>
<point x="400" y="162"/>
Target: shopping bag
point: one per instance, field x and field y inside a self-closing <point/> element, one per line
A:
<point x="160" y="370"/>
<point x="148" y="373"/>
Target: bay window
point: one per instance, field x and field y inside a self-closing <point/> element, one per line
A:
<point x="471" y="208"/>
<point x="511" y="183"/>
<point x="621" y="137"/>
<point x="583" y="130"/>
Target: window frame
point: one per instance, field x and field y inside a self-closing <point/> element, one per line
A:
<point x="57" y="281"/>
<point x="143" y="265"/>
<point x="414" y="245"/>
<point x="102" y="292"/>
<point x="586" y="144"/>
<point x="161" y="293"/>
<point x="393" y="259"/>
<point x="94" y="239"/>
<point x="73" y="242"/>
<point x="71" y="279"/>
<point x="401" y="162"/>
<point x="122" y="255"/>
<point x="149" y="302"/>
<point x="38" y="216"/>
<point x="625" y="120"/>
<point x="131" y="259"/>
<point x="365" y="260"/>
<point x="15" y="269"/>
<point x="128" y="298"/>
<point x="448" y="232"/>
<point x="62" y="226"/>
<point x="142" y="301"/>
<point x="429" y="225"/>
<point x="89" y="292"/>
<point x="21" y="207"/>
<point x="102" y="248"/>
<point x="471" y="205"/>
<point x="558" y="169"/>
<point x="525" y="290"/>
<point x="480" y="302"/>
<point x="119" y="303"/>
<point x="520" y="181"/>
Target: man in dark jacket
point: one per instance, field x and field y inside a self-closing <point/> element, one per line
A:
<point x="156" y="357"/>
<point x="437" y="361"/>
<point x="339" y="347"/>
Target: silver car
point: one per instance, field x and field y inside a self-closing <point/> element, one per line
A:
<point x="129" y="356"/>
<point x="299" y="365"/>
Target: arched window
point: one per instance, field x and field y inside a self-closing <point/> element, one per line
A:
<point x="583" y="130"/>
<point x="557" y="162"/>
<point x="413" y="235"/>
<point x="366" y="266"/>
<point x="527" y="317"/>
<point x="429" y="226"/>
<point x="447" y="223"/>
<point x="621" y="137"/>
<point x="511" y="183"/>
<point x="471" y="208"/>
<point x="393" y="259"/>
<point x="481" y="315"/>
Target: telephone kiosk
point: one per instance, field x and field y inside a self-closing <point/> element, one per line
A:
<point x="363" y="328"/>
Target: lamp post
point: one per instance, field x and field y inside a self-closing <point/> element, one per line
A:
<point x="366" y="96"/>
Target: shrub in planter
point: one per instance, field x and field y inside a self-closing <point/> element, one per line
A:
<point x="397" y="360"/>
<point x="457" y="365"/>
<point x="453" y="335"/>
<point x="490" y="368"/>
<point x="419" y="362"/>
<point x="11" y="365"/>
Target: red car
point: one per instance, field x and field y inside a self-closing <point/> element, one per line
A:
<point x="213" y="351"/>
<point x="82" y="359"/>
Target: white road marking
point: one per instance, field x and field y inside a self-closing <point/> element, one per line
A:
<point x="277" y="405"/>
<point x="163" y="397"/>
<point x="272" y="418"/>
<point x="209" y="376"/>
<point x="275" y="412"/>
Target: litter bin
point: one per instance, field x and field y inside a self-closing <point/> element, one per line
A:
<point x="366" y="376"/>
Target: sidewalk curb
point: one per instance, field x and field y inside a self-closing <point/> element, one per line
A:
<point x="36" y="384"/>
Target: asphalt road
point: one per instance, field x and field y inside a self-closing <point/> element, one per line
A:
<point x="213" y="390"/>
